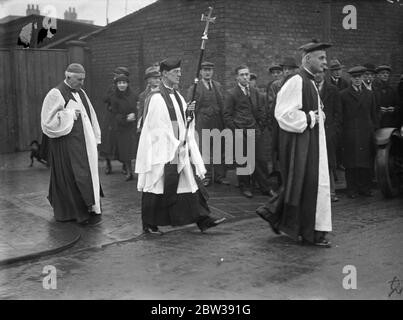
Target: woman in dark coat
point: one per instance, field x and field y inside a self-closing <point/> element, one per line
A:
<point x="108" y="129"/>
<point x="123" y="105"/>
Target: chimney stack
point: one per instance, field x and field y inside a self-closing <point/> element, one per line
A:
<point x="71" y="14"/>
<point x="32" y="10"/>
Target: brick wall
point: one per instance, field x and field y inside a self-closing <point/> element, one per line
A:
<point x="274" y="29"/>
<point x="255" y="32"/>
<point x="163" y="29"/>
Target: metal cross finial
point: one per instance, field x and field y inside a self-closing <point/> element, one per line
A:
<point x="208" y="19"/>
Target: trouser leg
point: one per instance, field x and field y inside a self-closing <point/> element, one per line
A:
<point x="351" y="180"/>
<point x="332" y="183"/>
<point x="364" y="180"/>
<point x="261" y="175"/>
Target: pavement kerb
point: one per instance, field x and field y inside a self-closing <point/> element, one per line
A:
<point x="35" y="256"/>
<point x="40" y="254"/>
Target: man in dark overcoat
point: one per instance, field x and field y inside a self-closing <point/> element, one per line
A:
<point x="332" y="108"/>
<point x="209" y="115"/>
<point x="387" y="100"/>
<point x="358" y="127"/>
<point x="335" y="75"/>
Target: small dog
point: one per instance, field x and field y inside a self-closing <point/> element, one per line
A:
<point x="35" y="148"/>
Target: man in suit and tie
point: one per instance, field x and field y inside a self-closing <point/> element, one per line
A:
<point x="244" y="110"/>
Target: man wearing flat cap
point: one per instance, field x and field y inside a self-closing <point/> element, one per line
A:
<point x="153" y="78"/>
<point x="69" y="120"/>
<point x="108" y="148"/>
<point x="369" y="76"/>
<point x="358" y="127"/>
<point x="209" y="115"/>
<point x="289" y="67"/>
<point x="304" y="210"/>
<point x="276" y="73"/>
<point x="335" y="75"/>
<point x="166" y="156"/>
<point x="388" y="104"/>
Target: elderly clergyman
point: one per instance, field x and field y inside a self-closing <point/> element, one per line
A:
<point x="69" y="120"/>
<point x="165" y="160"/>
<point x="306" y="211"/>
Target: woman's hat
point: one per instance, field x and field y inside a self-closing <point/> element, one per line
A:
<point x="121" y="77"/>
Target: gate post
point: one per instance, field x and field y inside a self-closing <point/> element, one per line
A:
<point x="76" y="51"/>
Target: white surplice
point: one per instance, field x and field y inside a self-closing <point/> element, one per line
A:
<point x="58" y="121"/>
<point x="291" y="118"/>
<point x="158" y="146"/>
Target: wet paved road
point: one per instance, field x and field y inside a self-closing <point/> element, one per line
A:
<point x="241" y="259"/>
<point x="238" y="260"/>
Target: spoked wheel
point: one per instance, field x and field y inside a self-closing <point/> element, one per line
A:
<point x="389" y="168"/>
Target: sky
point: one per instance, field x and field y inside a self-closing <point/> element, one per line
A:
<point x="86" y="9"/>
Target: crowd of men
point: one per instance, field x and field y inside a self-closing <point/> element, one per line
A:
<point x="308" y="122"/>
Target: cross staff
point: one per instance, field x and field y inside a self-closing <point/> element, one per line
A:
<point x="208" y="19"/>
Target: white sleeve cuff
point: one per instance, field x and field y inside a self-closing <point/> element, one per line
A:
<point x="313" y="119"/>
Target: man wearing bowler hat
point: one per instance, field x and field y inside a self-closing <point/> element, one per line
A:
<point x="358" y="126"/>
<point x="304" y="211"/>
<point x="335" y="70"/>
<point x="209" y="116"/>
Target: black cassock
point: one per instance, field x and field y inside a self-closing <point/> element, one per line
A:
<point x="70" y="189"/>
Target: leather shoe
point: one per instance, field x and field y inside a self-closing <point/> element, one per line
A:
<point x="324" y="243"/>
<point x="222" y="181"/>
<point x="206" y="182"/>
<point x="247" y="193"/>
<point x="211" y="224"/>
<point x="153" y="230"/>
<point x="129" y="177"/>
<point x="94" y="220"/>
<point x="334" y="198"/>
<point x="264" y="214"/>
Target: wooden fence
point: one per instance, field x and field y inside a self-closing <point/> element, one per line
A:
<point x="26" y="76"/>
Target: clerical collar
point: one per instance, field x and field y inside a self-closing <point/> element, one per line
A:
<point x="69" y="85"/>
<point x="310" y="74"/>
<point x="171" y="90"/>
<point x="72" y="90"/>
<point x="308" y="71"/>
